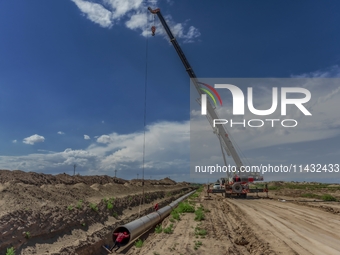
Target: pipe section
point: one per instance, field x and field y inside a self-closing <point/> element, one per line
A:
<point x="137" y="227"/>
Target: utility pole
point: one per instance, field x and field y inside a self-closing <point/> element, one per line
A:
<point x="115" y="173"/>
<point x="74" y="169"/>
<point x="137" y="176"/>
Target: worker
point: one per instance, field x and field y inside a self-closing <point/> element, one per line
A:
<point x="156" y="207"/>
<point x="119" y="239"/>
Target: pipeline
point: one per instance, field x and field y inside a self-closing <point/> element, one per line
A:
<point x="137" y="227"/>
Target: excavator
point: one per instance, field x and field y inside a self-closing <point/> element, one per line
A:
<point x="238" y="184"/>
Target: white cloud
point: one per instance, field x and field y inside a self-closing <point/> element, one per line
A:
<point x="86" y="137"/>
<point x="49" y="162"/>
<point x="166" y="152"/>
<point x="104" y="139"/>
<point x="134" y="14"/>
<point x="61" y="133"/>
<point x="122" y="7"/>
<point x="179" y="31"/>
<point x="137" y="21"/>
<point x="14" y="141"/>
<point x="95" y="12"/>
<point x="34" y="139"/>
<point x="330" y="72"/>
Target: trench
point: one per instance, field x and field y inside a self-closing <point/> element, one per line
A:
<point x="60" y="228"/>
<point x="106" y="238"/>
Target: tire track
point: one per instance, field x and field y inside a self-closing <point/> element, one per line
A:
<point x="294" y="229"/>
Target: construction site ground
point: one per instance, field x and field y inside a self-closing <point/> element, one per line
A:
<point x="252" y="226"/>
<point x="62" y="214"/>
<point x="42" y="214"/>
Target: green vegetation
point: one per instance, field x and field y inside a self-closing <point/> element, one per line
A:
<point x="185" y="207"/>
<point x="296" y="185"/>
<point x="172" y="220"/>
<point x="115" y="214"/>
<point x="83" y="224"/>
<point x="199" y="214"/>
<point x="27" y="235"/>
<point x="169" y="229"/>
<point x="175" y="215"/>
<point x="10" y="251"/>
<point x="200" y="232"/>
<point x="70" y="208"/>
<point x="327" y="197"/>
<point x="139" y="243"/>
<point x="193" y="196"/>
<point x="310" y="195"/>
<point x="80" y="204"/>
<point x="197" y="244"/>
<point x="109" y="205"/>
<point x="94" y="207"/>
<point x="324" y="197"/>
<point x="158" y="229"/>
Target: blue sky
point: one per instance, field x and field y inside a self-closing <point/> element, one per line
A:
<point x="72" y="77"/>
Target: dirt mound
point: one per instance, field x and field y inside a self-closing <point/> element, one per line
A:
<point x="36" y="206"/>
<point x="276" y="184"/>
<point x="165" y="181"/>
<point x="38" y="179"/>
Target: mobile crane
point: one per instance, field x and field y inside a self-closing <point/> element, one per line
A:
<point x="237" y="184"/>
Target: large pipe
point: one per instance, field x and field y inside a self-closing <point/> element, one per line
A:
<point x="137" y="227"/>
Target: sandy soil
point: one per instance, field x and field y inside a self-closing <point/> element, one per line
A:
<point x="250" y="226"/>
<point x="293" y="229"/>
<point x="69" y="215"/>
<point x="227" y="233"/>
<point x="43" y="214"/>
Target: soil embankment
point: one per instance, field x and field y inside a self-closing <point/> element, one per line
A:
<point x="38" y="211"/>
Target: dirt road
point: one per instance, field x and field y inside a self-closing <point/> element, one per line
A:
<point x="285" y="225"/>
<point x="251" y="226"/>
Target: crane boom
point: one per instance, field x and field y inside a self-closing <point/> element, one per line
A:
<point x="219" y="130"/>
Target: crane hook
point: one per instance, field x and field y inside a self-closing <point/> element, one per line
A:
<point x="153" y="30"/>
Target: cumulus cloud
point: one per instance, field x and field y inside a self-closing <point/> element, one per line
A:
<point x="134" y="14"/>
<point x="50" y="162"/>
<point x="86" y="137"/>
<point x="95" y="12"/>
<point x="166" y="153"/>
<point x="61" y="133"/>
<point x="34" y="139"/>
<point x="166" y="147"/>
<point x="14" y="141"/>
<point x="104" y="139"/>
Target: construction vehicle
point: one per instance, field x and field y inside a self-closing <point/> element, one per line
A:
<point x="238" y="184"/>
